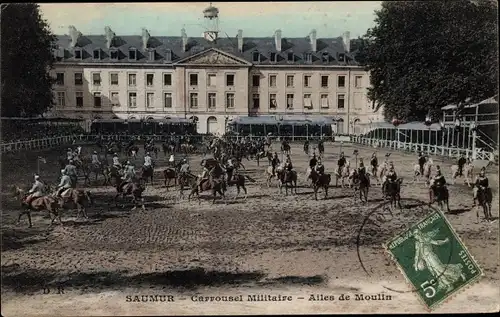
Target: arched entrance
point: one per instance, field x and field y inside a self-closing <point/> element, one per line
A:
<point x="356" y="127"/>
<point x="340" y="126"/>
<point x="212" y="125"/>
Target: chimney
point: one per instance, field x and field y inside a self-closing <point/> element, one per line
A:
<point x="74" y="34"/>
<point x="347" y="41"/>
<point x="312" y="38"/>
<point x="277" y="40"/>
<point x="145" y="38"/>
<point x="240" y="40"/>
<point x="110" y="35"/>
<point x="184" y="40"/>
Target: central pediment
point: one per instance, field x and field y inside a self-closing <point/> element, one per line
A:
<point x="213" y="57"/>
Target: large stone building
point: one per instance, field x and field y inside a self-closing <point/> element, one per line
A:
<point x="211" y="78"/>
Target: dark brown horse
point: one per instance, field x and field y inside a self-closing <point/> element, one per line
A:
<point x="320" y="181"/>
<point x="484" y="198"/>
<point x="75" y="198"/>
<point x="393" y="192"/>
<point x="170" y="174"/>
<point x="134" y="189"/>
<point x="440" y="195"/>
<point x="238" y="180"/>
<point x="216" y="185"/>
<point x="44" y="203"/>
<point x="147" y="172"/>
<point x="361" y="183"/>
<point x="289" y="179"/>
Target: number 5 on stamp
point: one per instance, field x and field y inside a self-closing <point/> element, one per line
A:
<point x="433" y="259"/>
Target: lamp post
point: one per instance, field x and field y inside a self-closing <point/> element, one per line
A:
<point x="428" y="123"/>
<point x="473" y="129"/>
<point x="396" y="122"/>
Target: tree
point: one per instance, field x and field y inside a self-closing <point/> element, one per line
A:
<point x="26" y="58"/>
<point x="423" y="55"/>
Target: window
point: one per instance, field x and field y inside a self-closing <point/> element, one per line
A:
<point x="152" y="55"/>
<point x="97" y="54"/>
<point x="167" y="79"/>
<point x="307" y="101"/>
<point x="324" y="100"/>
<point x="150" y="100"/>
<point x="132" y="100"/>
<point x="79" y="99"/>
<point x="256" y="57"/>
<point x="290" y="57"/>
<point x="96" y="79"/>
<point x="272" y="101"/>
<point x="341" y="81"/>
<point x="212" y="80"/>
<point x="60" y="79"/>
<point x="289" y="80"/>
<point x="150" y="80"/>
<point x="324" y="81"/>
<point x="193" y="79"/>
<point x="340" y="101"/>
<point x="358" y="81"/>
<point x="193" y="100"/>
<point x="97" y="100"/>
<point x="307" y="81"/>
<point x="273" y="57"/>
<point x="325" y="57"/>
<point x="115" y="99"/>
<point x="212" y="100"/>
<point x="168" y="55"/>
<point x="272" y="80"/>
<point x="78" y="53"/>
<point x="113" y="54"/>
<point x="132" y="79"/>
<point x="289" y="101"/>
<point x="256" y="80"/>
<point x="256" y="101"/>
<point x="61" y="98"/>
<point x="113" y="77"/>
<point x="341" y="57"/>
<point x="308" y="57"/>
<point x="230" y="80"/>
<point x="132" y="54"/>
<point x="78" y="79"/>
<point x="230" y="100"/>
<point x="167" y="100"/>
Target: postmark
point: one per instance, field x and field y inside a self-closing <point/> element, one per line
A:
<point x="433" y="259"/>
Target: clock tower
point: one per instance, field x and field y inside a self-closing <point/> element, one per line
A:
<point x="211" y="23"/>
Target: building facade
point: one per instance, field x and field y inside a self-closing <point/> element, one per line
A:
<point x="212" y="80"/>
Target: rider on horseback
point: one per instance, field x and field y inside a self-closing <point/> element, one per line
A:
<point x="319" y="167"/>
<point x="421" y="162"/>
<point x="390" y="177"/>
<point x="341" y="162"/>
<point x="374" y="163"/>
<point x="361" y="168"/>
<point x="481" y="183"/>
<point x="95" y="159"/>
<point x="128" y="175"/>
<point x="438" y="180"/>
<point x="184" y="170"/>
<point x="70" y="170"/>
<point x="275" y="162"/>
<point x="313" y="161"/>
<point x="36" y="191"/>
<point x="64" y="184"/>
<point x="288" y="163"/>
<point x="148" y="161"/>
<point x="204" y="174"/>
<point x="116" y="161"/>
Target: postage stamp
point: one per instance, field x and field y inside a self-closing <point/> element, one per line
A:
<point x="434" y="259"/>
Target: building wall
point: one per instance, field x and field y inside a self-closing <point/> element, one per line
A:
<point x="355" y="115"/>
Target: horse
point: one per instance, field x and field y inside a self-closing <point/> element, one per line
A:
<point x="170" y="174"/>
<point x="285" y="148"/>
<point x="440" y="195"/>
<point x="216" y="185"/>
<point x="393" y="192"/>
<point x="96" y="169"/>
<point x="76" y="197"/>
<point x="264" y="154"/>
<point x="147" y="172"/>
<point x="320" y="181"/>
<point x="132" y="151"/>
<point x="343" y="175"/>
<point x="484" y="198"/>
<point x="39" y="204"/>
<point x="187" y="179"/>
<point x="468" y="172"/>
<point x="238" y="180"/>
<point x="321" y="148"/>
<point x="287" y="178"/>
<point x="380" y="172"/>
<point x="361" y="183"/>
<point x="134" y="189"/>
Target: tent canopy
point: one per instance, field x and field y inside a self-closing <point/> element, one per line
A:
<point x="491" y="100"/>
<point x="283" y="120"/>
<point x="407" y="126"/>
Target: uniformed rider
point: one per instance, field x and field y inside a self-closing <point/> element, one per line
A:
<point x="148" y="161"/>
<point x="37" y="190"/>
<point x="481" y="183"/>
<point x="374" y="163"/>
<point x="313" y="161"/>
<point x="64" y="184"/>
<point x="128" y="175"/>
<point x="390" y="177"/>
<point x="275" y="162"/>
<point x="171" y="160"/>
<point x="319" y="167"/>
<point x="204" y="174"/>
<point x="288" y="163"/>
<point x="341" y="162"/>
<point x="71" y="172"/>
<point x="438" y="180"/>
<point x="95" y="159"/>
<point x="116" y="161"/>
<point x="361" y="168"/>
<point x="185" y="169"/>
<point x="421" y="162"/>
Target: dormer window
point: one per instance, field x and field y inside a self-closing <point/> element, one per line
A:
<point x="308" y="57"/>
<point x="113" y="54"/>
<point x="78" y="53"/>
<point x="152" y="55"/>
<point x="168" y="56"/>
<point x="325" y="57"/>
<point x="256" y="57"/>
<point x="274" y="57"/>
<point x="341" y="57"/>
<point x="132" y="54"/>
<point x="97" y="54"/>
<point x="290" y="57"/>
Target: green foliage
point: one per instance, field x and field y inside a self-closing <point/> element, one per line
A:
<point x="27" y="46"/>
<point x="423" y="55"/>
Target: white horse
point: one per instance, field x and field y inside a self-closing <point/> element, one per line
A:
<point x="468" y="172"/>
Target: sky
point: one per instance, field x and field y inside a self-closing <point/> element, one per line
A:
<point x="256" y="19"/>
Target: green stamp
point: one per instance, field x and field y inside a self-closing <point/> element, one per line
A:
<point x="433" y="259"/>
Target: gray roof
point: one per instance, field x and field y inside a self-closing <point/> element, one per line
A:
<point x="331" y="47"/>
<point x="407" y="126"/>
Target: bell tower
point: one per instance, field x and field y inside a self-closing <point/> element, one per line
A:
<point x="211" y="23"/>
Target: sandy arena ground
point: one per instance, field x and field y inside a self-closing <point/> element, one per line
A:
<point x="268" y="244"/>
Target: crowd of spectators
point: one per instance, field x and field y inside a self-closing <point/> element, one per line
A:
<point x="25" y="132"/>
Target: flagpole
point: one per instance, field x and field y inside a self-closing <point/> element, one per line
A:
<point x="38" y="166"/>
